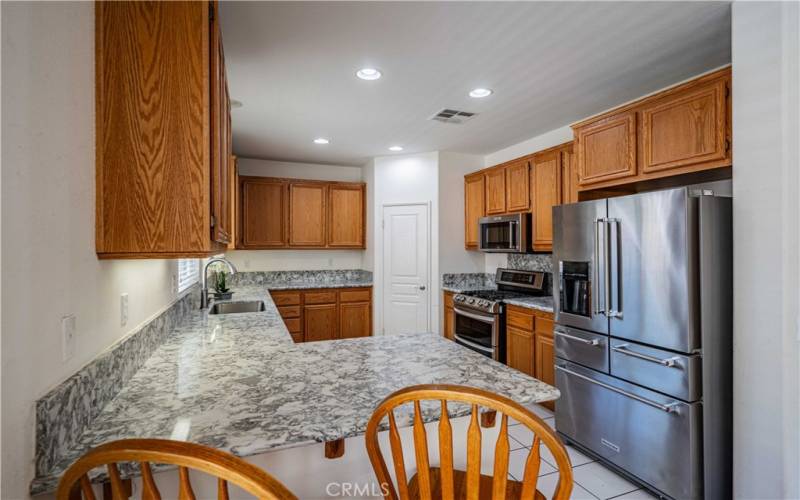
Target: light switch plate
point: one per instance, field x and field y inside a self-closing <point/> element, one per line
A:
<point x="123" y="309"/>
<point x="67" y="337"/>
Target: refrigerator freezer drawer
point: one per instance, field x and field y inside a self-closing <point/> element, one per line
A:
<point x="653" y="437"/>
<point x="585" y="348"/>
<point x="663" y="371"/>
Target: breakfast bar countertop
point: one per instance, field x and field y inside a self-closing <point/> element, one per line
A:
<point x="238" y="383"/>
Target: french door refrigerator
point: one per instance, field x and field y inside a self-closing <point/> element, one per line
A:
<point x="643" y="337"/>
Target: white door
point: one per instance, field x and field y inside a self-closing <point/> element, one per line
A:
<point x="406" y="253"/>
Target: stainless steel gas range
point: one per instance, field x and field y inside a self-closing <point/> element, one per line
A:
<point x="643" y="337"/>
<point x="480" y="314"/>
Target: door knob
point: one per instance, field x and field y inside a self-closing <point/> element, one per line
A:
<point x="422" y="287"/>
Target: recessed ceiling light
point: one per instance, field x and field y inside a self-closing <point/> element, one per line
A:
<point x="322" y="140"/>
<point x="478" y="93"/>
<point x="368" y="74"/>
<point x="396" y="148"/>
<point x="236" y="104"/>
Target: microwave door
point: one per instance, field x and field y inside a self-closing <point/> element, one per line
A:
<point x="580" y="241"/>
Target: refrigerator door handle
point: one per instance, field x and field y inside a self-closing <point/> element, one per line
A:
<point x="599" y="222"/>
<point x="623" y="349"/>
<point x="567" y="336"/>
<point x="615" y="301"/>
<point x="668" y="408"/>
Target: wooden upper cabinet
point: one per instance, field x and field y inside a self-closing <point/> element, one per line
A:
<point x="160" y="118"/>
<point x="474" y="208"/>
<point x="606" y="149"/>
<point x="546" y="193"/>
<point x="517" y="186"/>
<point x="685" y="129"/>
<point x="221" y="144"/>
<point x="569" y="176"/>
<point x="307" y="206"/>
<point x="495" y="191"/>
<point x="346" y="224"/>
<point x="263" y="212"/>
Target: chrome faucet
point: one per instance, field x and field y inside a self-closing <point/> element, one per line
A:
<point x="204" y="279"/>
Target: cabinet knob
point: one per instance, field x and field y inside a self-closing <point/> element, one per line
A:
<point x="422" y="287"/>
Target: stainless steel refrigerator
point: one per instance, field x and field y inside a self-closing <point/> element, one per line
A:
<point x="643" y="306"/>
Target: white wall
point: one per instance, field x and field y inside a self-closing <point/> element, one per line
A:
<point x="292" y="170"/>
<point x="48" y="260"/>
<point x="765" y="193"/>
<point x="404" y="179"/>
<point x="532" y="145"/>
<point x="453" y="258"/>
<point x="291" y="260"/>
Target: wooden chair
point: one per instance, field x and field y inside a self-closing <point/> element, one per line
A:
<point x="224" y="466"/>
<point x="446" y="483"/>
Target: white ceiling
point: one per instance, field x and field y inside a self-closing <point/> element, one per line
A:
<point x="293" y="66"/>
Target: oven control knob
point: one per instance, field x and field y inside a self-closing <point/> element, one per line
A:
<point x="484" y="303"/>
<point x="471" y="301"/>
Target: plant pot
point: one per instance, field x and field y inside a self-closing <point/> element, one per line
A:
<point x="223" y="296"/>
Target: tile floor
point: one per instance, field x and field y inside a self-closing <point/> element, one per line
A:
<point x="593" y="481"/>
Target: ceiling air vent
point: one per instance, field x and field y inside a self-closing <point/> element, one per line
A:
<point x="452" y="116"/>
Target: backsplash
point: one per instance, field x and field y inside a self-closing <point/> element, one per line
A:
<point x="531" y="261"/>
<point x="467" y="281"/>
<point x="320" y="278"/>
<point x="64" y="413"/>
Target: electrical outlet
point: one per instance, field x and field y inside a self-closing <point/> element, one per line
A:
<point x="123" y="309"/>
<point x="247" y="263"/>
<point x="330" y="261"/>
<point x="174" y="285"/>
<point x="67" y="337"/>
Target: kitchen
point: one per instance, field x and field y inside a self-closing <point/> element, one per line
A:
<point x="357" y="252"/>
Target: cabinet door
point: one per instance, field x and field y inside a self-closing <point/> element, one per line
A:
<point x="236" y="207"/>
<point x="607" y="148"/>
<point x="569" y="176"/>
<point x="449" y="323"/>
<point x="517" y="187"/>
<point x="686" y="128"/>
<point x="520" y="351"/>
<point x="546" y="193"/>
<point x="319" y="322"/>
<point x="263" y="213"/>
<point x="474" y="208"/>
<point x="355" y="320"/>
<point x="545" y="362"/>
<point x="307" y="208"/>
<point x="220" y="140"/>
<point x="496" y="191"/>
<point x="346" y="215"/>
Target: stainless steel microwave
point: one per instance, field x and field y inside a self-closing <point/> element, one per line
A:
<point x="504" y="233"/>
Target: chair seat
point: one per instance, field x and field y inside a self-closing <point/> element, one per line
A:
<point x="513" y="488"/>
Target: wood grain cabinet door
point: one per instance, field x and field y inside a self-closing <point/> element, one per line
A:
<point x="355" y="320"/>
<point x="545" y="362"/>
<point x="220" y="140"/>
<point x="263" y="213"/>
<point x="569" y="176"/>
<point x="517" y="187"/>
<point x="307" y="210"/>
<point x="546" y="193"/>
<point x="519" y="352"/>
<point x="346" y="215"/>
<point x="496" y="191"/>
<point x="686" y="128"/>
<point x="474" y="208"/>
<point x="319" y="322"/>
<point x="606" y="149"/>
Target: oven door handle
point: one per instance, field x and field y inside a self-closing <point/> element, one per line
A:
<point x="473" y="344"/>
<point x="476" y="317"/>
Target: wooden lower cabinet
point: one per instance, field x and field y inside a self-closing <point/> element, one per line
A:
<point x="355" y="320"/>
<point x="520" y="350"/>
<point x="449" y="324"/>
<point x="325" y="314"/>
<point x="319" y="322"/>
<point x="529" y="344"/>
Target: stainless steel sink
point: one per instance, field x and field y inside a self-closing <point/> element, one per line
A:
<point x="237" y="307"/>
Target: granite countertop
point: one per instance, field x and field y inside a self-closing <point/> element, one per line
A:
<point x="539" y="303"/>
<point x="238" y="383"/>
